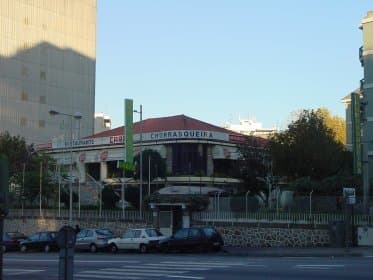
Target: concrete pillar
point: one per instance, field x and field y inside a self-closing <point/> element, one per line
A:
<point x="81" y="169"/>
<point x="155" y="211"/>
<point x="186" y="216"/>
<point x="103" y="170"/>
<point x="209" y="162"/>
<point x="169" y="159"/>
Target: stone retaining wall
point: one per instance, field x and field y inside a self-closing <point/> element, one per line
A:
<point x="31" y="225"/>
<point x="236" y="235"/>
<point x="244" y="236"/>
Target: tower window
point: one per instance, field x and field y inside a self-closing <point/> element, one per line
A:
<point x="24" y="71"/>
<point x="24" y="96"/>
<point x="43" y="99"/>
<point x="41" y="123"/>
<point x="23" y="122"/>
<point x="43" y="75"/>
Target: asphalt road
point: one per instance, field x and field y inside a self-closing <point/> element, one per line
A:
<point x="41" y="266"/>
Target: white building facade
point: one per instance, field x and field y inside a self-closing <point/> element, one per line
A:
<point x="250" y="127"/>
<point x="195" y="152"/>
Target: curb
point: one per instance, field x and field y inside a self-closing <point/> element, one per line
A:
<point x="294" y="255"/>
<point x="285" y="254"/>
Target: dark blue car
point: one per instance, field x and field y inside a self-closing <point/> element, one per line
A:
<point x="40" y="241"/>
<point x="11" y="241"/>
<point x="201" y="239"/>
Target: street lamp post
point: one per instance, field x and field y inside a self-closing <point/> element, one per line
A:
<point x="140" y="112"/>
<point x="23" y="187"/>
<point x="311" y="203"/>
<point x="40" y="187"/>
<point x="149" y="175"/>
<point x="76" y="116"/>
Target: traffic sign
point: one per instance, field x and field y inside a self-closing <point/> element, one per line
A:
<point x="349" y="195"/>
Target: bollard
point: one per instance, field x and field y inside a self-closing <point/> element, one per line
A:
<point x="66" y="241"/>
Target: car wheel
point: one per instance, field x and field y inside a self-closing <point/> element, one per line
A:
<point x="164" y="249"/>
<point x="47" y="248"/>
<point x="23" y="248"/>
<point x="4" y="248"/>
<point x="143" y="249"/>
<point x="93" y="248"/>
<point x="217" y="248"/>
<point x="113" y="248"/>
<point x="202" y="249"/>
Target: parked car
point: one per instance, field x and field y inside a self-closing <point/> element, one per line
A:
<point x="41" y="241"/>
<point x="11" y="240"/>
<point x="141" y="239"/>
<point x="93" y="239"/>
<point x="193" y="239"/>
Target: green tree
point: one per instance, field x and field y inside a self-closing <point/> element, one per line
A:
<point x="65" y="197"/>
<point x="38" y="164"/>
<point x="109" y="198"/>
<point x="17" y="152"/>
<point x="337" y="124"/>
<point x="254" y="165"/>
<point x="132" y="195"/>
<point x="308" y="148"/>
<point x="24" y="163"/>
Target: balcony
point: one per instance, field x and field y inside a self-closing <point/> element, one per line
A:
<point x="362" y="81"/>
<point x="361" y="56"/>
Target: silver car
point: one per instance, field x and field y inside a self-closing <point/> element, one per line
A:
<point x="141" y="239"/>
<point x="93" y="239"/>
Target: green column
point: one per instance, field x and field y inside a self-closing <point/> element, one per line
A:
<point x="4" y="185"/>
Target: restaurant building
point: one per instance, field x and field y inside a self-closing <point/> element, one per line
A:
<point x="195" y="152"/>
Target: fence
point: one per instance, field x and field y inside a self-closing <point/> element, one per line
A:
<point x="82" y="214"/>
<point x="227" y="217"/>
<point x="278" y="218"/>
<point x="284" y="202"/>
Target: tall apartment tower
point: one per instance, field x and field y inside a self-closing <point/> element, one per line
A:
<point x="47" y="62"/>
<point x="366" y="89"/>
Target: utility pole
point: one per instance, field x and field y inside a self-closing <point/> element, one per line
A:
<point x="4" y="175"/>
<point x="40" y="187"/>
<point x="149" y="175"/>
<point x="141" y="167"/>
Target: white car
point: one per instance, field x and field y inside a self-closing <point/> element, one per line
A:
<point x="141" y="239"/>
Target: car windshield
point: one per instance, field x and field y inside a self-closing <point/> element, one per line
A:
<point x="152" y="232"/>
<point x="209" y="231"/>
<point x="182" y="233"/>
<point x="129" y="234"/>
<point x="105" y="232"/>
<point x="15" y="234"/>
<point x="34" y="237"/>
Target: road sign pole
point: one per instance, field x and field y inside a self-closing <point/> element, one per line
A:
<point x="66" y="239"/>
<point x="4" y="175"/>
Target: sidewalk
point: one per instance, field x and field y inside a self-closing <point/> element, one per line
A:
<point x="300" y="252"/>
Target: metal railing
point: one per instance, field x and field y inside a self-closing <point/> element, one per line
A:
<point x="130" y="215"/>
<point x="315" y="204"/>
<point x="280" y="218"/>
<point x="209" y="217"/>
<point x="99" y="187"/>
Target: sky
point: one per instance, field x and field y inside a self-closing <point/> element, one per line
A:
<point x="216" y="60"/>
